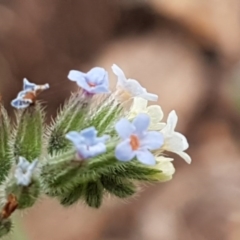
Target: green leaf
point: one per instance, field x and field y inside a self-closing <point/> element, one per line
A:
<point x="118" y="186"/>
<point x="137" y="171"/>
<point x="5" y="149"/>
<point x="93" y="194"/>
<point x="28" y="135"/>
<point x="5" y="227"/>
<point x="72" y="196"/>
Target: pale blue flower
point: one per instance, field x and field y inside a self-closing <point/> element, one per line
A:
<point x="28" y="95"/>
<point x="92" y="82"/>
<point x="137" y="141"/>
<point x="87" y="143"/>
<point x="24" y="171"/>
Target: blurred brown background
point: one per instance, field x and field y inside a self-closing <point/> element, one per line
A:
<point x="186" y="51"/>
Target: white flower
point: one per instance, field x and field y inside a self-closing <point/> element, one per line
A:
<point x="166" y="167"/>
<point x="130" y="87"/>
<point x="24" y="171"/>
<point x="154" y="112"/>
<point x="174" y="141"/>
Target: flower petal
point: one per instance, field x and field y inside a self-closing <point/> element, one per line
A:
<point x="145" y="157"/>
<point x="32" y="166"/>
<point x="120" y="74"/>
<point x="172" y="120"/>
<point x="149" y="96"/>
<point x="89" y="135"/>
<point x="27" y="85"/>
<point x="74" y="137"/>
<point x="124" y="152"/>
<point x="20" y="103"/>
<point x="141" y="122"/>
<point x="139" y="105"/>
<point x="100" y="89"/>
<point x="185" y="156"/>
<point x="23" y="163"/>
<point x="124" y="128"/>
<point x="157" y="126"/>
<point x="97" y="149"/>
<point x="97" y="75"/>
<point x="152" y="140"/>
<point x="134" y="87"/>
<point x="155" y="113"/>
<point x="166" y="167"/>
<point x="176" y="142"/>
<point x="75" y="75"/>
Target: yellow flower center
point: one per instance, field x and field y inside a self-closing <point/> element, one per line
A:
<point x="134" y="142"/>
<point x="91" y="84"/>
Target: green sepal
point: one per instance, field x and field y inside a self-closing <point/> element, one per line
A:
<point x="137" y="171"/>
<point x="5" y="227"/>
<point x="28" y="135"/>
<point x="118" y="186"/>
<point x="5" y="149"/>
<point x="70" y="118"/>
<point x="62" y="172"/>
<point x="93" y="194"/>
<point x="26" y="195"/>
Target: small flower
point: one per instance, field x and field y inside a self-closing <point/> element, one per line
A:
<point x="87" y="143"/>
<point x="24" y="171"/>
<point x="154" y="112"/>
<point x="92" y="82"/>
<point x="166" y="167"/>
<point x="136" y="140"/>
<point x="28" y="95"/>
<point x="174" y="141"/>
<point x="130" y="87"/>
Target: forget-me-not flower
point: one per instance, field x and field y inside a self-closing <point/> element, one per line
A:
<point x="92" y="82"/>
<point x="137" y="141"/>
<point x="24" y="171"/>
<point x="131" y="87"/>
<point x="87" y="143"/>
<point x="28" y="95"/>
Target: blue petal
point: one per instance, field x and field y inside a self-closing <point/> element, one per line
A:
<point x="27" y="85"/>
<point x="75" y="138"/>
<point x="97" y="149"/>
<point x="89" y="134"/>
<point x="75" y="75"/>
<point x="124" y="128"/>
<point x="20" y="103"/>
<point x="100" y="89"/>
<point x="97" y="75"/>
<point x="141" y="122"/>
<point x="146" y="157"/>
<point x="152" y="140"/>
<point x="86" y="152"/>
<point x="83" y="84"/>
<point x="124" y="152"/>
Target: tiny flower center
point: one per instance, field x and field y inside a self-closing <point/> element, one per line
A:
<point x="134" y="142"/>
<point x="91" y="84"/>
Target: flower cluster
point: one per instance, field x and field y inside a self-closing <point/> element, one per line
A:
<point x="142" y="133"/>
<point x="94" y="146"/>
